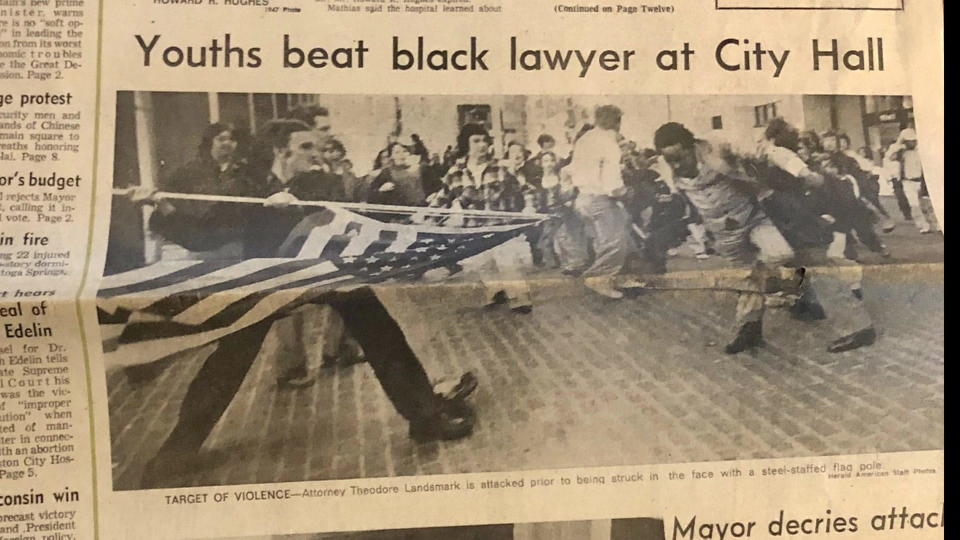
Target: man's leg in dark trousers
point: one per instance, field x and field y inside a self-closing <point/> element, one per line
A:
<point x="902" y="201"/>
<point x="389" y="354"/>
<point x="207" y="398"/>
<point x="395" y="364"/>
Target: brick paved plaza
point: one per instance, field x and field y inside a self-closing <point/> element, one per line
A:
<point x="581" y="381"/>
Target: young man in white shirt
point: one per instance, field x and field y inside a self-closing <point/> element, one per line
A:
<point x="595" y="171"/>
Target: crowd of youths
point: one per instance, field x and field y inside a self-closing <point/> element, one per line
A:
<point x="608" y="208"/>
<point x="841" y="212"/>
<point x="612" y="207"/>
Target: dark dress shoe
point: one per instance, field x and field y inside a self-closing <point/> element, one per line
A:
<point x="329" y="362"/>
<point x="860" y="338"/>
<point x="807" y="311"/>
<point x="348" y="360"/>
<point x="350" y="355"/>
<point x="449" y="424"/>
<point x="465" y="386"/>
<point x="525" y="309"/>
<point x="296" y="378"/>
<point x="499" y="298"/>
<point x="749" y="335"/>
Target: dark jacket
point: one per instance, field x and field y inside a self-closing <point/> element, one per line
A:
<point x="261" y="229"/>
<point x="408" y="190"/>
<point x="200" y="225"/>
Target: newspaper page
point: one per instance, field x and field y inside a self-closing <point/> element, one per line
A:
<point x="478" y="269"/>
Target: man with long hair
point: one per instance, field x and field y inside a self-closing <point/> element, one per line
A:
<point x="501" y="269"/>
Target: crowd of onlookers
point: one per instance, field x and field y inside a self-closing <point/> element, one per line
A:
<point x="474" y="175"/>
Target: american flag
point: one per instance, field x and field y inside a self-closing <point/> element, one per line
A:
<point x="171" y="306"/>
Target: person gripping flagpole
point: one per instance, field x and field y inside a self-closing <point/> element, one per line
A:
<point x="291" y="176"/>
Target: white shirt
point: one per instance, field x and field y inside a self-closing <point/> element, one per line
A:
<point x="595" y="168"/>
<point x="550" y="180"/>
<point x="911" y="165"/>
<point x="890" y="162"/>
<point x="865" y="164"/>
<point x="901" y="160"/>
<point x="785" y="159"/>
<point x="661" y="167"/>
<point x="475" y="171"/>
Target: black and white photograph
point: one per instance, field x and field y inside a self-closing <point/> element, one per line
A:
<point x="605" y="529"/>
<point x="304" y="287"/>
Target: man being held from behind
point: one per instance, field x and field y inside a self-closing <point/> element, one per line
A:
<point x="726" y="199"/>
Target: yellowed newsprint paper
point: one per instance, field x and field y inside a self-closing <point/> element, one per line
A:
<point x="471" y="269"/>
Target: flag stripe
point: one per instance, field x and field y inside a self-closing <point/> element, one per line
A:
<point x="124" y="279"/>
<point x="317" y="239"/>
<point x="173" y="304"/>
<point x="231" y="275"/>
<point x="358" y="245"/>
<point x="230" y="310"/>
<point x="170" y="278"/>
<point x="171" y="307"/>
<point x="386" y="239"/>
<point x="335" y="246"/>
<point x="406" y="237"/>
<point x="143" y="351"/>
<point x="209" y="306"/>
<point x="220" y="313"/>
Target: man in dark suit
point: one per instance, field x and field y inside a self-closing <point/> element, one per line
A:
<point x="292" y="174"/>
